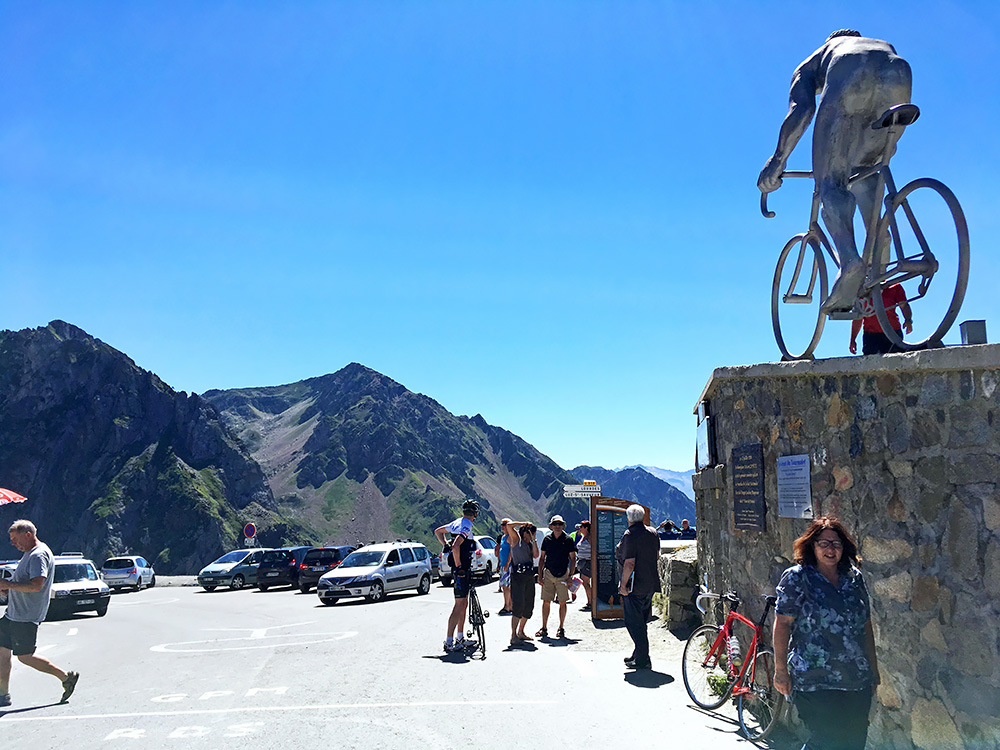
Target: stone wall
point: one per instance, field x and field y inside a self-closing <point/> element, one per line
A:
<point x="678" y="582"/>
<point x="904" y="449"/>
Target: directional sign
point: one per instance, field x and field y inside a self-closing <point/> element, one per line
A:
<point x="582" y="490"/>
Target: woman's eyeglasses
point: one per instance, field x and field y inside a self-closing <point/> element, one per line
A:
<point x="828" y="544"/>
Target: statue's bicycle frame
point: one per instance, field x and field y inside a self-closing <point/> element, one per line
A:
<point x="885" y="260"/>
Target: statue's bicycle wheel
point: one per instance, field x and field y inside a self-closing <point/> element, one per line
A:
<point x="798" y="291"/>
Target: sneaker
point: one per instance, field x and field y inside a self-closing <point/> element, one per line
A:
<point x="464" y="643"/>
<point x="449" y="646"/>
<point x="69" y="685"/>
<point x="4" y="700"/>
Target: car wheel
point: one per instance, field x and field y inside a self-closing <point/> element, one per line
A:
<point x="378" y="592"/>
<point x="152" y="581"/>
<point x="304" y="588"/>
<point x="425" y="585"/>
<point x="209" y="588"/>
<point x="262" y="588"/>
<point x="102" y="610"/>
<point x="138" y="583"/>
<point x="488" y="573"/>
<point x="237" y="583"/>
<point x="446" y="582"/>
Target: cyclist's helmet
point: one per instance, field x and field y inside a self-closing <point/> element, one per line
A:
<point x="470" y="506"/>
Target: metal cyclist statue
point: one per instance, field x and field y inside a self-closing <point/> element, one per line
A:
<point x="863" y="90"/>
<point x="856" y="79"/>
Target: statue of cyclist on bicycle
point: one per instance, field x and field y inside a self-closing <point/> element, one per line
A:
<point x="856" y="79"/>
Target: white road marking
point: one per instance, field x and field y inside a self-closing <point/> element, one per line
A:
<point x="238" y="644"/>
<point x="73" y="631"/>
<point x="584" y="666"/>
<point x="152" y="603"/>
<point x="281" y="709"/>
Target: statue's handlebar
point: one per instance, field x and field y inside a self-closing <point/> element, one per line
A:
<point x="763" y="207"/>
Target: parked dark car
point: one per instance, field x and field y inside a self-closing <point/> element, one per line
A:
<point x="280" y="567"/>
<point x="320" y="560"/>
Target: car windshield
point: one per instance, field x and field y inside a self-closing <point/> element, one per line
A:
<point x="67" y="572"/>
<point x="277" y="555"/>
<point x="118" y="563"/>
<point x="230" y="557"/>
<point x="362" y="559"/>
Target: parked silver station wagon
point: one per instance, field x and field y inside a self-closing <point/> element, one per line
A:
<point x="377" y="570"/>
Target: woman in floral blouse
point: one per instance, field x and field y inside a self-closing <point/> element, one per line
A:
<point x="824" y="647"/>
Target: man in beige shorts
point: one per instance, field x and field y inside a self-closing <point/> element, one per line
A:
<point x="556" y="564"/>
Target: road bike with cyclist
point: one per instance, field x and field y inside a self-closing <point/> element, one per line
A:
<point x="715" y="668"/>
<point x="898" y="248"/>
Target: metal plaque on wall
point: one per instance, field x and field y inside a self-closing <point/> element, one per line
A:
<point x="794" y="493"/>
<point x="748" y="487"/>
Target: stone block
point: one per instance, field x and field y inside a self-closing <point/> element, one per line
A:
<point x="888" y="696"/>
<point x="900" y="468"/>
<point x="843" y="478"/>
<point x="924" y="431"/>
<point x="971" y="468"/>
<point x="991" y="577"/>
<point x="936" y="389"/>
<point x="925" y="594"/>
<point x="991" y="510"/>
<point x="932" y="727"/>
<point x="991" y="378"/>
<point x="969" y="427"/>
<point x="933" y="636"/>
<point x="838" y="413"/>
<point x="881" y="551"/>
<point x="897" y="423"/>
<point x="895" y="509"/>
<point x="962" y="541"/>
<point x="974" y="696"/>
<point x="896" y="587"/>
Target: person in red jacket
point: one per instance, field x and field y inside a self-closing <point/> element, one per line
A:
<point x="874" y="340"/>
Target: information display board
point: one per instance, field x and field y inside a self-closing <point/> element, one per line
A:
<point x="607" y="524"/>
<point x="794" y="492"/>
<point x="748" y="487"/>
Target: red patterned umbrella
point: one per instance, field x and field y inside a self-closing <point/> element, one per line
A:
<point x="6" y="496"/>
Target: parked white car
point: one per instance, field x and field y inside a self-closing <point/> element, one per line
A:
<point x="484" y="561"/>
<point x="77" y="587"/>
<point x="377" y="570"/>
<point x="128" y="571"/>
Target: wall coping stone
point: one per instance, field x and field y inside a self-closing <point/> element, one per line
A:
<point x="947" y="359"/>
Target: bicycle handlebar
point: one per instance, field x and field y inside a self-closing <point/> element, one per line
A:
<point x="787" y="173"/>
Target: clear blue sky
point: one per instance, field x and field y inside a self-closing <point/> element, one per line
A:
<point x="542" y="212"/>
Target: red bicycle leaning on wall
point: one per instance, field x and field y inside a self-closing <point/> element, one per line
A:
<point x="714" y="669"/>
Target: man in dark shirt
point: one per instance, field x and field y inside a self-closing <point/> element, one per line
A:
<point x="556" y="564"/>
<point x="640" y="550"/>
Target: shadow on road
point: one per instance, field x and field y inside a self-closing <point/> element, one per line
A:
<point x="27" y="708"/>
<point x="647" y="678"/>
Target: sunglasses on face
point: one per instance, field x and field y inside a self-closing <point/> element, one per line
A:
<point x="828" y="544"/>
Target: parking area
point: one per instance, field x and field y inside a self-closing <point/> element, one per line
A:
<point x="176" y="665"/>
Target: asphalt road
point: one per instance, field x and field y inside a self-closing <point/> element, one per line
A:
<point x="179" y="667"/>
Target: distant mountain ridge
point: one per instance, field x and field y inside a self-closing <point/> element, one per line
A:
<point x="663" y="499"/>
<point x="355" y="455"/>
<point x="679" y="479"/>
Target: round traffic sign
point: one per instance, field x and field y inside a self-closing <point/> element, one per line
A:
<point x="249" y="531"/>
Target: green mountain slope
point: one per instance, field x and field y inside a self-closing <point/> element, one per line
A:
<point x="113" y="460"/>
<point x="356" y="456"/>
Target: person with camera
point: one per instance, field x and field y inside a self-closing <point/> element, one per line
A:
<point x="462" y="546"/>
<point x="523" y="552"/>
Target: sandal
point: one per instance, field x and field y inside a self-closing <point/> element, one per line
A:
<point x="561" y="634"/>
<point x="525" y="637"/>
<point x="542" y="633"/>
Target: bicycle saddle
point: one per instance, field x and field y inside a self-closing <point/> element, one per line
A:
<point x="901" y="114"/>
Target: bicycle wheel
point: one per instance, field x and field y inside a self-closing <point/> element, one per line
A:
<point x="802" y="286"/>
<point x="704" y="667"/>
<point x="939" y="251"/>
<point x="477" y="619"/>
<point x="760" y="709"/>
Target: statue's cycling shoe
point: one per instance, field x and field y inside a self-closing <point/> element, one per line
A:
<point x="845" y="289"/>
